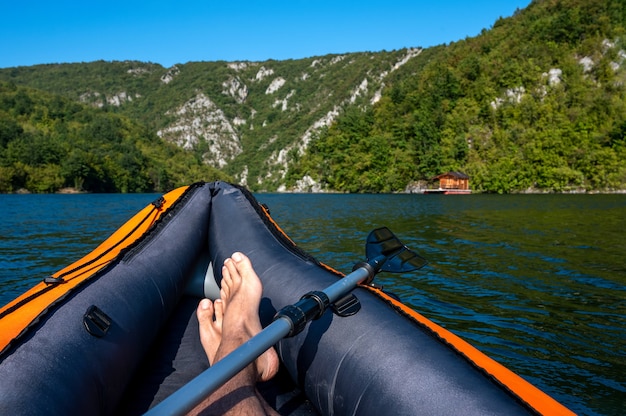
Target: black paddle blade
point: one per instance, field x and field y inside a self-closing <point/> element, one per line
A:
<point x="399" y="258"/>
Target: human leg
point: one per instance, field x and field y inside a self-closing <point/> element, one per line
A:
<point x="236" y="321"/>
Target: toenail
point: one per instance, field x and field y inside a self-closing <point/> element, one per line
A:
<point x="237" y="256"/>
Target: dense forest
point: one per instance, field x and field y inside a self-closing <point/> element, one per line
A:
<point x="48" y="143"/>
<point x="536" y="103"/>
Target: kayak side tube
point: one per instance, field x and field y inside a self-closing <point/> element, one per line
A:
<point x="79" y="353"/>
<point x="385" y="358"/>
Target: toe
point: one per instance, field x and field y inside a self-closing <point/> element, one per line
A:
<point x="205" y="312"/>
<point x="243" y="263"/>
<point x="218" y="305"/>
<point x="226" y="282"/>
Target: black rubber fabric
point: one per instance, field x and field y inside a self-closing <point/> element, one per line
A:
<point x="176" y="357"/>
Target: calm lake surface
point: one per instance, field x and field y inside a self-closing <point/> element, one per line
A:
<point x="538" y="282"/>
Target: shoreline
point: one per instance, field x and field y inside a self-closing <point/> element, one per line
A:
<point x="62" y="191"/>
<point x="69" y="191"/>
<point x="414" y="191"/>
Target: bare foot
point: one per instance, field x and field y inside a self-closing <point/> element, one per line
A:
<point x="210" y="329"/>
<point x="236" y="321"/>
<point x="241" y="296"/>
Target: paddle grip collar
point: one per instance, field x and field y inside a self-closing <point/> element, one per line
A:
<point x="311" y="306"/>
<point x="372" y="267"/>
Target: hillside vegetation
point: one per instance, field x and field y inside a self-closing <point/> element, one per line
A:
<point x="48" y="143"/>
<point x="537" y="102"/>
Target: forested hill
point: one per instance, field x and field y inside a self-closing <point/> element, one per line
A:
<point x="48" y="143"/>
<point x="247" y="119"/>
<point x="537" y="102"/>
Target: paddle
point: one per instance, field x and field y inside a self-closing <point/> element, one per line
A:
<point x="384" y="252"/>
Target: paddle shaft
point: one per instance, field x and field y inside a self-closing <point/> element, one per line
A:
<point x="198" y="389"/>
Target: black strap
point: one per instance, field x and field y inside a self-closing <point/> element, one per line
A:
<point x="52" y="281"/>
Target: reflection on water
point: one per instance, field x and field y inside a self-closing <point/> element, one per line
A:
<point x="535" y="281"/>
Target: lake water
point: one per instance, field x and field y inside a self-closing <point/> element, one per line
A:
<point x="538" y="282"/>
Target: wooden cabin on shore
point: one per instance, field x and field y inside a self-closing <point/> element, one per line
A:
<point x="451" y="183"/>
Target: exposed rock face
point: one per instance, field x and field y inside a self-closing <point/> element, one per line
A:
<point x="235" y="88"/>
<point x="99" y="100"/>
<point x="170" y="74"/>
<point x="275" y="85"/>
<point x="199" y="119"/>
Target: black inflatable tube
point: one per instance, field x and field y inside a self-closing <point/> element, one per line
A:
<point x="372" y="363"/>
<point x="61" y="369"/>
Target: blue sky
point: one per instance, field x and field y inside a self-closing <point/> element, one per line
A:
<point x="169" y="32"/>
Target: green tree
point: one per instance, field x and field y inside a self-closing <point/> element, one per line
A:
<point x="9" y="129"/>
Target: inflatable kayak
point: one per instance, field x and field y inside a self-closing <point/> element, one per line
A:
<point x="116" y="331"/>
